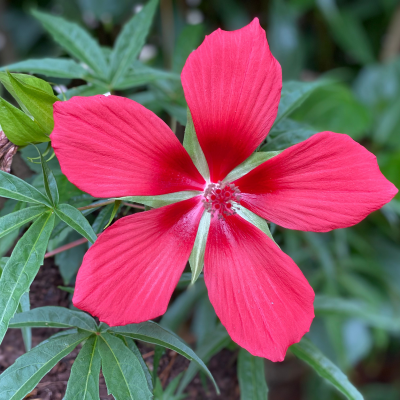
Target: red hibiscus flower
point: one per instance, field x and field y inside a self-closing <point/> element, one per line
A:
<point x="114" y="147"/>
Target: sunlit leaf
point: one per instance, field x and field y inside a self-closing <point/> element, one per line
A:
<point x="18" y="127"/>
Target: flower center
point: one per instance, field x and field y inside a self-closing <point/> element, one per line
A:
<point x="221" y="198"/>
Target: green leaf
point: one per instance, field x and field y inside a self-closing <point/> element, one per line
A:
<point x="74" y="218"/>
<point x="163" y="199"/>
<point x="49" y="182"/>
<point x="83" y="90"/>
<point x="16" y="219"/>
<point x="249" y="164"/>
<point x="24" y="305"/>
<point x="251" y="375"/>
<point x="114" y="211"/>
<point x="192" y="146"/>
<point x="130" y="41"/>
<point x="38" y="103"/>
<point x="327" y="305"/>
<point x="189" y="39"/>
<point x="254" y="219"/>
<point x="70" y="260"/>
<point x="151" y="332"/>
<point x="122" y="371"/>
<point x="54" y="67"/>
<point x="293" y="95"/>
<point x="83" y="383"/>
<point x="335" y="108"/>
<point x="130" y="343"/>
<point x="196" y="259"/>
<point x="67" y="289"/>
<point x="18" y="127"/>
<point x="22" y="267"/>
<point x="75" y="40"/>
<point x="287" y="133"/>
<point x="214" y="342"/>
<point x="142" y="75"/>
<point x="183" y="305"/>
<point x="15" y="188"/>
<point x="54" y="317"/>
<point x="348" y="32"/>
<point x="26" y="79"/>
<point x="307" y="352"/>
<point x="21" y="378"/>
<point x="101" y="220"/>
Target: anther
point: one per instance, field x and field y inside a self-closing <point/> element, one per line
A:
<point x="221" y="198"/>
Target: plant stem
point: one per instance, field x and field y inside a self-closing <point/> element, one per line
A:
<point x="105" y="203"/>
<point x="65" y="247"/>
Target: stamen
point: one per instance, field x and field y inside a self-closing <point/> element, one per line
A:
<point x="221" y="198"/>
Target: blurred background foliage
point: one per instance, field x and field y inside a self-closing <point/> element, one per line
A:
<point x="356" y="271"/>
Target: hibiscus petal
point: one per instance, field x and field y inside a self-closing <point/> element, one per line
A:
<point x="258" y="292"/>
<point x="111" y="146"/>
<point x="130" y="272"/>
<point x="327" y="182"/>
<point x="232" y="85"/>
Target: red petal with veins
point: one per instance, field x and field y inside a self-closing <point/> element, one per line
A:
<point x="258" y="292"/>
<point x="130" y="272"/>
<point x="232" y="85"/>
<point x="111" y="146"/>
<point x="327" y="182"/>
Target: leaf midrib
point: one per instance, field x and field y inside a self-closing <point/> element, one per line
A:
<point x="19" y="277"/>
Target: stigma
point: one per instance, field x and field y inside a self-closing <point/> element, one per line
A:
<point x="221" y="199"/>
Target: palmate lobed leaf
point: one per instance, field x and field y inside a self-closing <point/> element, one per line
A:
<point x="122" y="370"/>
<point x="310" y="354"/>
<point x="142" y="75"/>
<point x="130" y="41"/>
<point x="76" y="41"/>
<point x="20" y="379"/>
<point x="22" y="267"/>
